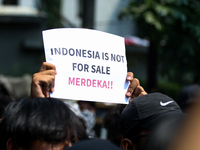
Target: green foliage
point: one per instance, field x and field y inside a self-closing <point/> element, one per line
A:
<point x="174" y="27"/>
<point x="52" y="9"/>
<point x="169" y="88"/>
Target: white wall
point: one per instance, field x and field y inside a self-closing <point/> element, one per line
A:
<point x="70" y="11"/>
<point x="106" y="17"/>
<point x="27" y="3"/>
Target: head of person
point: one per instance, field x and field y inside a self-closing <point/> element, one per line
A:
<point x="142" y="115"/>
<point x="39" y="124"/>
<point x="188" y="95"/>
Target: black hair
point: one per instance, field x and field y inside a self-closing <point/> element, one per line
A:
<point x="136" y="137"/>
<point x="90" y="103"/>
<point x="44" y="119"/>
<point x="111" y="122"/>
<point x="4" y="101"/>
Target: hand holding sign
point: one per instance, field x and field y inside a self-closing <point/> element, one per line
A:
<point x="134" y="89"/>
<point x="43" y="81"/>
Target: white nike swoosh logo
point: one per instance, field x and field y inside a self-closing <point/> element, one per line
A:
<point x="166" y="103"/>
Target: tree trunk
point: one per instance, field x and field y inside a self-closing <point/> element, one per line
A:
<point x="88" y="14"/>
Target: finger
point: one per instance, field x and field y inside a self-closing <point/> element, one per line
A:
<point x="52" y="87"/>
<point x="133" y="84"/>
<point x="43" y="77"/>
<point x="52" y="73"/>
<point x="47" y="66"/>
<point x="42" y="80"/>
<point x="129" y="76"/>
<point x="46" y="88"/>
<point x="138" y="91"/>
<point x="46" y="72"/>
<point x="47" y="82"/>
<point x="42" y="85"/>
<point x="130" y="99"/>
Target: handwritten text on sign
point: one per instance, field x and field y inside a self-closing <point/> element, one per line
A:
<point x="96" y="61"/>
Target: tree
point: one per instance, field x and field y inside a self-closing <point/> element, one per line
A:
<point x="52" y="9"/>
<point x="173" y="28"/>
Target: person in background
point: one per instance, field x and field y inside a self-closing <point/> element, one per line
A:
<point x="111" y="122"/>
<point x="88" y="113"/>
<point x="40" y="124"/>
<point x="142" y="114"/>
<point x="189" y="132"/>
<point x="187" y="96"/>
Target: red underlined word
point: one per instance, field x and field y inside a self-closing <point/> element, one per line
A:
<point x="90" y="83"/>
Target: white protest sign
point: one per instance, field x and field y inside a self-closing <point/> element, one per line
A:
<point x="91" y="65"/>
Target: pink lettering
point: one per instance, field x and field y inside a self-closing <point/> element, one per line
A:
<point x="88" y="82"/>
<point x="104" y="84"/>
<point x="71" y="81"/>
<point x="94" y="83"/>
<point x="78" y="81"/>
<point x="83" y="82"/>
<point x="99" y="83"/>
